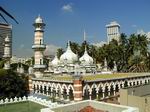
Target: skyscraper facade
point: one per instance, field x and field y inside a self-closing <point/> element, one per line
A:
<point x="113" y="31"/>
<point x="5" y="30"/>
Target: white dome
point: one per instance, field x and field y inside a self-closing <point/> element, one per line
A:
<point x="55" y="61"/>
<point x="86" y="59"/>
<point x="39" y="20"/>
<point x="68" y="56"/>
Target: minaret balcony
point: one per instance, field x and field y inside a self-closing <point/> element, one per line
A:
<point x="39" y="66"/>
<point x="39" y="46"/>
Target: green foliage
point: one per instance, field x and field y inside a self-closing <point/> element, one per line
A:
<point x="12" y="84"/>
<point x="15" y="65"/>
<point x="130" y="54"/>
<point x="1" y="63"/>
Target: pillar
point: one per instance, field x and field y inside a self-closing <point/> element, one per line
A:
<point x="30" y="85"/>
<point x="108" y="90"/>
<point x="62" y="96"/>
<point x="68" y="96"/>
<point x="103" y="93"/>
<point x="114" y="88"/>
<point x="97" y="94"/>
<point x="77" y="84"/>
<point x="35" y="88"/>
<point x="47" y="90"/>
<point x="90" y="94"/>
<point x="56" y="94"/>
<point x="51" y="93"/>
<point x="43" y="90"/>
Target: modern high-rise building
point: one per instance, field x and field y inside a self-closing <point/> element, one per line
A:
<point x="5" y="31"/>
<point x="113" y="31"/>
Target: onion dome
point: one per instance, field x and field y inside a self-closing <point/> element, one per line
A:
<point x="69" y="56"/>
<point x="39" y="20"/>
<point x="86" y="59"/>
<point x="55" y="61"/>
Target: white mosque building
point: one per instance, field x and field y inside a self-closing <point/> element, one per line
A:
<point x="68" y="61"/>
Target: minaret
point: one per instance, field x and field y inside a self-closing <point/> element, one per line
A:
<point x="7" y="52"/>
<point x="84" y="37"/>
<point x="39" y="47"/>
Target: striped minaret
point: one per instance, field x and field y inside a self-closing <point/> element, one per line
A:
<point x="39" y="47"/>
<point x="77" y="84"/>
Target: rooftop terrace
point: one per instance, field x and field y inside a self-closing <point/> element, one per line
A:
<point x="95" y="77"/>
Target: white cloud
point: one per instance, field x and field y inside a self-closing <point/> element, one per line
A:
<point x="51" y="50"/>
<point x="67" y="7"/>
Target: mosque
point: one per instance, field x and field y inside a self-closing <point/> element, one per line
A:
<point x="69" y="62"/>
<point x="78" y="87"/>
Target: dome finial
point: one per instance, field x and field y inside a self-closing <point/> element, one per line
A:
<point x="68" y="46"/>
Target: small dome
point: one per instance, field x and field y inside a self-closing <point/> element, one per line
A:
<point x="39" y="20"/>
<point x="7" y="39"/>
<point x="86" y="59"/>
<point x="69" y="56"/>
<point x="55" y="61"/>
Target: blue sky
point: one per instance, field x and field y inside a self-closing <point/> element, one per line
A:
<point x="66" y="20"/>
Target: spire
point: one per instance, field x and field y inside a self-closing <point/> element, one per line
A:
<point x="68" y="47"/>
<point x="84" y="36"/>
<point x="85" y="52"/>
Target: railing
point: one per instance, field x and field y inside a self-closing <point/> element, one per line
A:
<point x="40" y="101"/>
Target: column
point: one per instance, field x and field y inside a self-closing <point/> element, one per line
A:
<point x="114" y="88"/>
<point x="123" y="84"/>
<point x="77" y="84"/>
<point x="90" y="94"/>
<point x="30" y="86"/>
<point x="97" y="94"/>
<point x="68" y="96"/>
<point x="56" y="94"/>
<point x="43" y="89"/>
<point x="39" y="89"/>
<point x="47" y="90"/>
<point x="108" y="91"/>
<point x="35" y="88"/>
<point x="51" y="93"/>
<point x="62" y="96"/>
<point x="128" y="83"/>
<point x="103" y="93"/>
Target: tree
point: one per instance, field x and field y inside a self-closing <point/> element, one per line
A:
<point x="60" y="51"/>
<point x="12" y="84"/>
